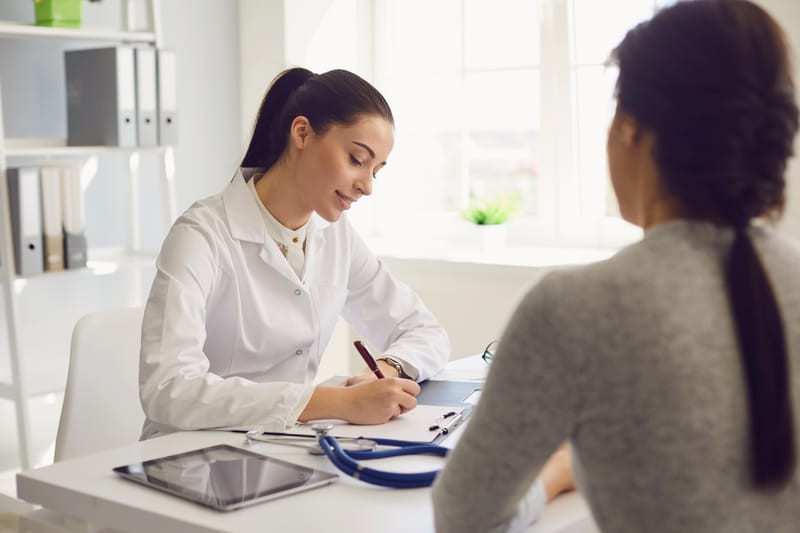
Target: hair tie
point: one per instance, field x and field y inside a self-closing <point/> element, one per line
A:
<point x="311" y="76"/>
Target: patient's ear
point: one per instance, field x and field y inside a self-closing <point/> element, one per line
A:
<point x="631" y="130"/>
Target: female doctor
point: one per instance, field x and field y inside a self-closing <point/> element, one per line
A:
<point x="250" y="282"/>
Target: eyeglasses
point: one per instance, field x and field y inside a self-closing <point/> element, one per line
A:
<point x="488" y="352"/>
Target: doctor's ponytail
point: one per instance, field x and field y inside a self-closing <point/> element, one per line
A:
<point x="334" y="97"/>
<point x="264" y="148"/>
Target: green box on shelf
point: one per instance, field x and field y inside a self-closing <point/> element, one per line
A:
<point x="59" y="13"/>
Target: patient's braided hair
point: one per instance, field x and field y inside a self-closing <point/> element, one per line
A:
<point x="711" y="79"/>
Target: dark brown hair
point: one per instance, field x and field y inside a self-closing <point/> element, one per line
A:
<point x="334" y="97"/>
<point x="712" y="80"/>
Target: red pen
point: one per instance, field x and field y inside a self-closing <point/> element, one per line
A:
<point x="367" y="357"/>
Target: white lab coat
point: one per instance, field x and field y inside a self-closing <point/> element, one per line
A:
<point x="232" y="337"/>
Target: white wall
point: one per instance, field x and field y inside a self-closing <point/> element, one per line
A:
<point x="787" y="13"/>
<point x="261" y="54"/>
<point x="320" y="38"/>
<point x="472" y="301"/>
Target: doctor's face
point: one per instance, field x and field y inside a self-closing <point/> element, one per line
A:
<point x="338" y="167"/>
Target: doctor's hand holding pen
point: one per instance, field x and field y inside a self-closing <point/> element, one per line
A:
<point x="371" y="402"/>
<point x="369" y="398"/>
<point x="375" y="369"/>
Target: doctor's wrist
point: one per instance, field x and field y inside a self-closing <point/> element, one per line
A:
<point x="396" y="366"/>
<point x="388" y="370"/>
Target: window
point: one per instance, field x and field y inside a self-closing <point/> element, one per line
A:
<point x="495" y="97"/>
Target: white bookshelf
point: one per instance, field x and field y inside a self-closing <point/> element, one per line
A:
<point x="16" y="29"/>
<point x="30" y="371"/>
<point x="56" y="147"/>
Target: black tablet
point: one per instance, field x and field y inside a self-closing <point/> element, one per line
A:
<point x="224" y="477"/>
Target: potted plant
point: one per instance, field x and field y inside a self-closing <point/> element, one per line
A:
<point x="490" y="216"/>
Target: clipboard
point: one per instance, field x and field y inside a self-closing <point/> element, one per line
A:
<point x="424" y="423"/>
<point x="432" y="391"/>
<point x="443" y="392"/>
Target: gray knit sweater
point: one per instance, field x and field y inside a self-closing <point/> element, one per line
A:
<point x="634" y="361"/>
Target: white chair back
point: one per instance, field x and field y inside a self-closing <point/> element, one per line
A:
<point x="101" y="402"/>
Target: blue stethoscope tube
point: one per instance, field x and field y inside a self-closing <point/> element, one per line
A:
<point x="346" y="461"/>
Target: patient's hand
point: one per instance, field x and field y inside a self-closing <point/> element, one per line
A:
<point x="556" y="474"/>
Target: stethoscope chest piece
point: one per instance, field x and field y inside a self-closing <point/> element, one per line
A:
<point x="321" y="430"/>
<point x="309" y="442"/>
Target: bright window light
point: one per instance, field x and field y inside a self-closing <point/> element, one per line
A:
<point x="497" y="97"/>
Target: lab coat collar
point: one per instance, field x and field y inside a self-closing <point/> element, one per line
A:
<point x="244" y="218"/>
<point x="246" y="223"/>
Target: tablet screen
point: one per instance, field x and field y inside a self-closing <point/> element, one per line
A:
<point x="224" y="477"/>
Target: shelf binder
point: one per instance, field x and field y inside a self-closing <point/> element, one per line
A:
<point x="167" y="98"/>
<point x="26" y="219"/>
<point x="146" y="124"/>
<point x="101" y="97"/>
<point x="74" y="218"/>
<point x="52" y="219"/>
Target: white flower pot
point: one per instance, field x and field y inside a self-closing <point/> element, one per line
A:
<point x="492" y="237"/>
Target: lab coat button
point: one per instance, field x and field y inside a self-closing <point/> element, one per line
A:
<point x="299" y="352"/>
<point x="297" y="292"/>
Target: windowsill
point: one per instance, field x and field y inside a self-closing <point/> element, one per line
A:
<point x="445" y="237"/>
<point x="450" y="252"/>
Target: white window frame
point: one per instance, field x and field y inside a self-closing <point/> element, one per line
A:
<point x="570" y="210"/>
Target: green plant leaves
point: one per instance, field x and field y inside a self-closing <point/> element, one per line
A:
<point x="496" y="210"/>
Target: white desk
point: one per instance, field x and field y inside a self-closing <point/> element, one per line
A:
<point x="85" y="488"/>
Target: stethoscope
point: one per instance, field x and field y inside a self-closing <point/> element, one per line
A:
<point x="359" y="448"/>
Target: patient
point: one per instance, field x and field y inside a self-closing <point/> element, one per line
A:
<point x="673" y="368"/>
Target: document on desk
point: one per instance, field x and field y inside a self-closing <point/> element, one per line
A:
<point x="434" y="392"/>
<point x="441" y="392"/>
<point x="424" y="423"/>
